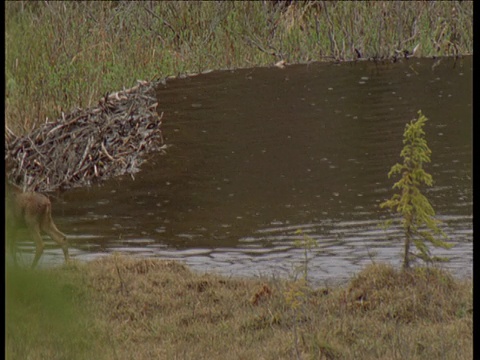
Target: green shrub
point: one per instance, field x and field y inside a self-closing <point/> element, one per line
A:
<point x="418" y="216"/>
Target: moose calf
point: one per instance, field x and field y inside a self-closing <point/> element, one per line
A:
<point x="34" y="211"/>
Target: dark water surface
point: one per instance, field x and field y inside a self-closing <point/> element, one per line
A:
<point x="256" y="155"/>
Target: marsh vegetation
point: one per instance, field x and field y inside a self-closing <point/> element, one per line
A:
<point x="120" y="307"/>
<point x="63" y="55"/>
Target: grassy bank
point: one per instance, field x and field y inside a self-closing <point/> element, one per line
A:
<point x="124" y="308"/>
<point x="61" y="55"/>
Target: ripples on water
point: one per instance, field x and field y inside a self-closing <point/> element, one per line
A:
<point x="257" y="154"/>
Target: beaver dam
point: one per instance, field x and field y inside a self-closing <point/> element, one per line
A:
<point x="107" y="140"/>
<point x="254" y="156"/>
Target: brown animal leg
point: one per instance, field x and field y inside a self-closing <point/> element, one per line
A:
<point x="48" y="226"/>
<point x="33" y="210"/>
<point x="11" y="242"/>
<point x="35" y="233"/>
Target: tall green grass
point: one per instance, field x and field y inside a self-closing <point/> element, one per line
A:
<point x="61" y="55"/>
<point x="47" y="317"/>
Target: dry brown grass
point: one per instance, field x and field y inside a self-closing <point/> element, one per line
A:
<point x="145" y="308"/>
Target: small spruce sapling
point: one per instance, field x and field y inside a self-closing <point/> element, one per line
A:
<point x="418" y="217"/>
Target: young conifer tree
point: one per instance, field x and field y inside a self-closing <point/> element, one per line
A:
<point x="418" y="217"/>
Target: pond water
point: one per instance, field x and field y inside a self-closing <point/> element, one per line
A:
<point x="261" y="158"/>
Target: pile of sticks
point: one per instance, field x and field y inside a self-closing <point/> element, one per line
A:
<point x="107" y="140"/>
